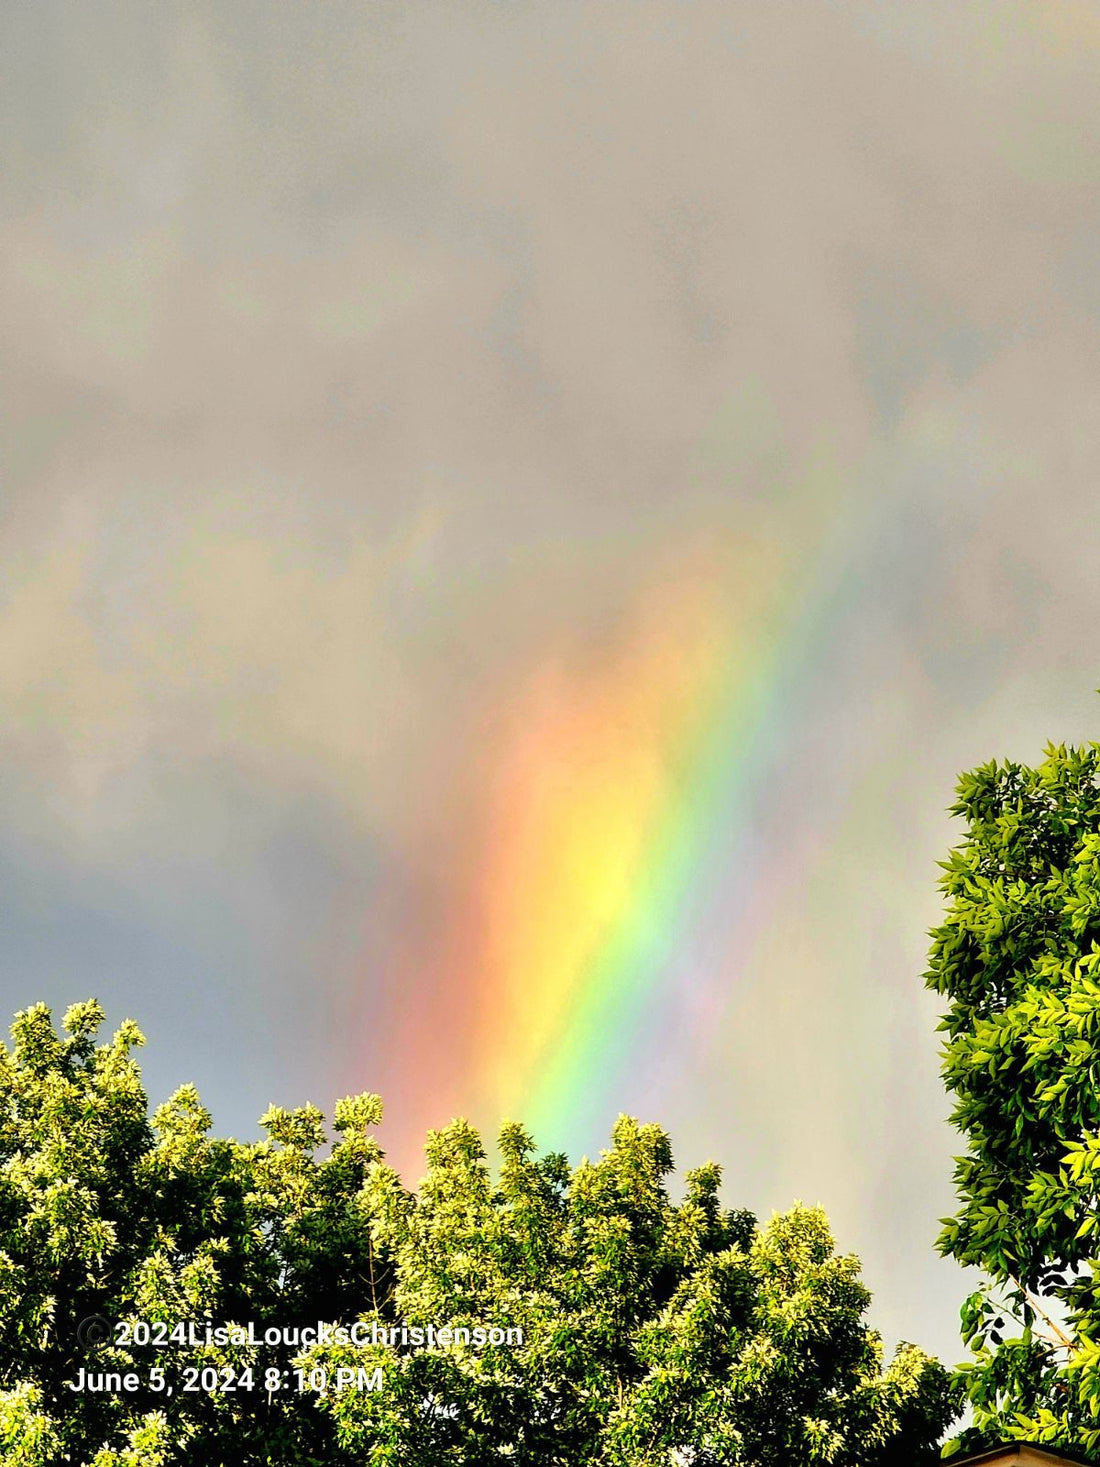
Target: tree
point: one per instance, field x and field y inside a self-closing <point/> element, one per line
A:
<point x="1018" y="959"/>
<point x="107" y="1216"/>
<point x="653" y="1332"/>
<point x="579" y="1314"/>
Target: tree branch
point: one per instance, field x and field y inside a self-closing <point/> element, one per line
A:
<point x="1060" y="1335"/>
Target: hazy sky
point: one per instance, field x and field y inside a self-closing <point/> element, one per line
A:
<point x="419" y="423"/>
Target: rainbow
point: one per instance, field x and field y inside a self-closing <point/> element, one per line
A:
<point x="622" y="829"/>
<point x="615" y="852"/>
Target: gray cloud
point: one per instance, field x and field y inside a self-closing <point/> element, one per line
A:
<point x="356" y="358"/>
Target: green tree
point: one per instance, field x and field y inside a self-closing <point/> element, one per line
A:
<point x="653" y="1332"/>
<point x="104" y="1213"/>
<point x="645" y="1331"/>
<point x="1018" y="959"/>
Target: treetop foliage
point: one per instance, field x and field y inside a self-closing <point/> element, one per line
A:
<point x="1017" y="958"/>
<point x="652" y="1331"/>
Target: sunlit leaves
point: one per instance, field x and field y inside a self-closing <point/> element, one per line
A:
<point x="1018" y="959"/>
<point x="651" y="1330"/>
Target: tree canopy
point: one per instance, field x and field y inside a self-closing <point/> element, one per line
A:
<point x="1018" y="959"/>
<point x="643" y="1330"/>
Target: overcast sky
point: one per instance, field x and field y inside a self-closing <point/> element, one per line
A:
<point x="360" y="360"/>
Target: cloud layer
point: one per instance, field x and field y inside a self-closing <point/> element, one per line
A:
<point x="359" y="360"/>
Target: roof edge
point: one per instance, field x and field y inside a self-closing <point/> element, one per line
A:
<point x="1013" y="1449"/>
